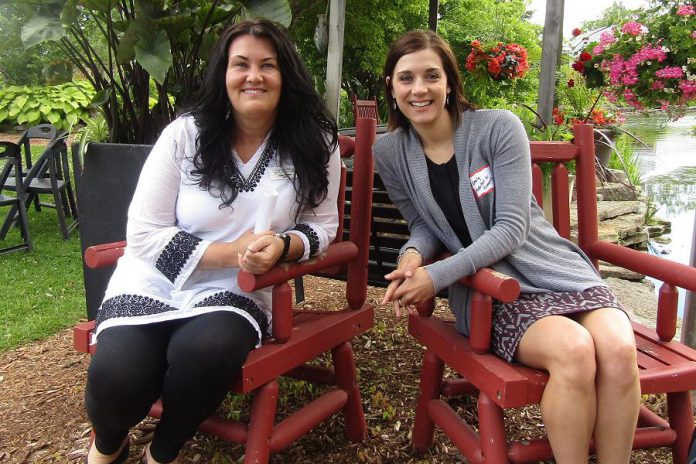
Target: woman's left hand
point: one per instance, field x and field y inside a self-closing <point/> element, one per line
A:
<point x="414" y="289"/>
<point x="261" y="254"/>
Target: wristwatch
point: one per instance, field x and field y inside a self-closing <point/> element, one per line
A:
<point x="286" y="245"/>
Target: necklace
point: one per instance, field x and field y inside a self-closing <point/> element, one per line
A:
<point x="248" y="184"/>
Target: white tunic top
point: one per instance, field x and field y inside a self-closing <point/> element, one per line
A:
<point x="171" y="222"/>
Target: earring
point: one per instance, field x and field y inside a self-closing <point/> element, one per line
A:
<point x="447" y="100"/>
<point x="395" y="108"/>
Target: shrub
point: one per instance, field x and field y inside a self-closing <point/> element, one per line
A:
<point x="61" y="105"/>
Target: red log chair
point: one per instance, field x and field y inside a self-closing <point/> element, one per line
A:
<point x="665" y="366"/>
<point x="298" y="336"/>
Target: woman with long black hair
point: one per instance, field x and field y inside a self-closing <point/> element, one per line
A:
<point x="174" y="324"/>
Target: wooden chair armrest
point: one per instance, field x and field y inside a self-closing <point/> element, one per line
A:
<point x="104" y="255"/>
<point x="336" y="254"/>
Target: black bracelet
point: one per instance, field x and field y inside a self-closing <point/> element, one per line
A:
<point x="286" y="245"/>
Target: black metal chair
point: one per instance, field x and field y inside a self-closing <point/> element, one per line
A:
<point x="11" y="154"/>
<point x="50" y="175"/>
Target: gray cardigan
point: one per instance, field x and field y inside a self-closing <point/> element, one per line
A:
<point x="507" y="227"/>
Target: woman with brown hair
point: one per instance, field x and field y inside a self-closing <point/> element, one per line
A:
<point x="462" y="179"/>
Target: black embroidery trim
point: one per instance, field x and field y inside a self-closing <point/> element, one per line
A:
<point x="242" y="184"/>
<point x="238" y="301"/>
<point x="175" y="254"/>
<point x="311" y="236"/>
<point x="128" y="305"/>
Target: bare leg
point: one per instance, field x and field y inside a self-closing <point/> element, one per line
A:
<point x="618" y="385"/>
<point x="565" y="349"/>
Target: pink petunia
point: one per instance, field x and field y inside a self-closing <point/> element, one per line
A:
<point x="598" y="50"/>
<point x="658" y="85"/>
<point x="693" y="34"/>
<point x="670" y="72"/>
<point x="632" y="28"/>
<point x="607" y="38"/>
<point x="686" y="10"/>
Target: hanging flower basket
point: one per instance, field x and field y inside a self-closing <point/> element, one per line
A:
<point x="499" y="61"/>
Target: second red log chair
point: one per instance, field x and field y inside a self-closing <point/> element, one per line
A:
<point x="666" y="366"/>
<point x="298" y="336"/>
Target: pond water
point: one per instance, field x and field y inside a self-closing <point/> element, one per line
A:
<point x="668" y="172"/>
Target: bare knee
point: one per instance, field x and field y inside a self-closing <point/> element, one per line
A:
<point x="573" y="362"/>
<point x="617" y="363"/>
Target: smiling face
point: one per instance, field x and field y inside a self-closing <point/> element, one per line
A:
<point x="253" y="78"/>
<point x="419" y="87"/>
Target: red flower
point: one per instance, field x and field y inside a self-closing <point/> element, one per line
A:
<point x="558" y="117"/>
<point x="494" y="68"/>
<point x="579" y="66"/>
<point x="576" y="32"/>
<point x="571" y="83"/>
<point x="584" y="56"/>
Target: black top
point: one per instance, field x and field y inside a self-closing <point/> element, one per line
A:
<point x="444" y="183"/>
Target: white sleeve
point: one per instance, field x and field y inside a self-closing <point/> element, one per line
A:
<point x="317" y="227"/>
<point x="152" y="232"/>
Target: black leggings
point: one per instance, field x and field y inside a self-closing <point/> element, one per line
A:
<point x="189" y="363"/>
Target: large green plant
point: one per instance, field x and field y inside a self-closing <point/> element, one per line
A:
<point x="61" y="105"/>
<point x="140" y="41"/>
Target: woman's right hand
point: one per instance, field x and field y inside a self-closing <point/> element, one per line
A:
<point x="408" y="263"/>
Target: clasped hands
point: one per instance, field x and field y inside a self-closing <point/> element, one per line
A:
<point x="409" y="285"/>
<point x="257" y="253"/>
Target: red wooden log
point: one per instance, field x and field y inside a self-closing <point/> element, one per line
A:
<point x="338" y="253"/>
<point x="361" y="211"/>
<point x="344" y="367"/>
<point x="560" y="200"/>
<point x="537" y="449"/>
<point x="431" y="377"/>
<point x="647" y="418"/>
<point x="553" y="152"/>
<point x="481" y="322"/>
<point x="341" y="201"/>
<point x="426" y="308"/>
<point x="667" y="304"/>
<point x="281" y="309"/>
<point x="104" y="255"/>
<point x="491" y="431"/>
<point x="586" y="188"/>
<point x="263" y="410"/>
<point x="662" y="269"/>
<point x="82" y="336"/>
<point x="306" y="418"/>
<point x="461" y="434"/>
<point x="496" y="284"/>
<point x="225" y="429"/>
<point x="538" y="184"/>
<point x="681" y="419"/>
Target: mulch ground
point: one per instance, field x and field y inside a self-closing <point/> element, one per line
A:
<point x="42" y="419"/>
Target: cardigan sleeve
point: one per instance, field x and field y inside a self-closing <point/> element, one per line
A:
<point x="511" y="168"/>
<point x="317" y="227"/>
<point x="152" y="232"/>
<point x="421" y="237"/>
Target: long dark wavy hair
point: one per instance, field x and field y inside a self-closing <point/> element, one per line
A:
<point x="304" y="131"/>
<point x="414" y="41"/>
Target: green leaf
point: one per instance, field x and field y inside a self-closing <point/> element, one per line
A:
<point x="20" y="101"/>
<point x="3" y="115"/>
<point x="155" y="56"/>
<point x="100" y="98"/>
<point x="275" y="10"/>
<point x="45" y="25"/>
<point x="126" y="47"/>
<point x="53" y="117"/>
<point x="69" y="14"/>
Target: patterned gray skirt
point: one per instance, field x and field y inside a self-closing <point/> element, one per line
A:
<point x="511" y="320"/>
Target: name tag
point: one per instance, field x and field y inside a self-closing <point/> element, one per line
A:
<point x="279" y="173"/>
<point x="482" y="181"/>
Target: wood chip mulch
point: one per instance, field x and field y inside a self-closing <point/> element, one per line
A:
<point x="42" y="418"/>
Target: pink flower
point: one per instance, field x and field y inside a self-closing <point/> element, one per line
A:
<point x="658" y="85"/>
<point x="688" y="89"/>
<point x="598" y="50"/>
<point x="632" y="28"/>
<point x="607" y="38"/>
<point x="670" y="72"/>
<point x="693" y="34"/>
<point x="686" y="10"/>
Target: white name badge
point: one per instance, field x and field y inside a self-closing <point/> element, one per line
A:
<point x="279" y="173"/>
<point x="482" y="181"/>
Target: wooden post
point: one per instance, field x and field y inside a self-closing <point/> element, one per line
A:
<point x="432" y="15"/>
<point x="551" y="48"/>
<point x="334" y="60"/>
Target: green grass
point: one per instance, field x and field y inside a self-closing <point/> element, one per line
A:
<point x="42" y="291"/>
